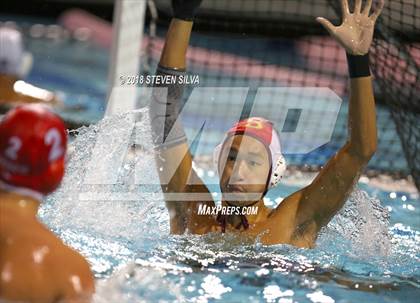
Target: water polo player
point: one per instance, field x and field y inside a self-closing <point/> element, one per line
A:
<point x="35" y="266"/>
<point x="249" y="160"/>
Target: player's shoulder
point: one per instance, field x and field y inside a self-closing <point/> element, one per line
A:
<point x="76" y="277"/>
<point x="282" y="220"/>
<point x="31" y="237"/>
<point x="288" y="206"/>
<point x="36" y="251"/>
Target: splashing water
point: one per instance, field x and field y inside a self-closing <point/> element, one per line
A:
<point x="122" y="228"/>
<point x="364" y="222"/>
<point x="86" y="199"/>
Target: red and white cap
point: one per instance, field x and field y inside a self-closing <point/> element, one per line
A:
<point x="262" y="130"/>
<point x="33" y="142"/>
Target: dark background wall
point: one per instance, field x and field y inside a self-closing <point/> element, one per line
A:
<point x="53" y="8"/>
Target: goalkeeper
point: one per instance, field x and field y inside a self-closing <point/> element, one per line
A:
<point x="249" y="158"/>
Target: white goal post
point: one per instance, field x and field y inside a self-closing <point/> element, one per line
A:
<point x="127" y="36"/>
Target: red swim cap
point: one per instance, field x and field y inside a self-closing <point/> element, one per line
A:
<point x="33" y="143"/>
<point x="259" y="128"/>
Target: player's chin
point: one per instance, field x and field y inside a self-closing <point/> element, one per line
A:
<point x="243" y="203"/>
<point x="242" y="198"/>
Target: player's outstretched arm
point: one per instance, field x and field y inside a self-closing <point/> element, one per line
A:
<point x="328" y="192"/>
<point x="173" y="159"/>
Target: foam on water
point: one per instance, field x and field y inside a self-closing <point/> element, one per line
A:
<point x="134" y="284"/>
<point x="113" y="233"/>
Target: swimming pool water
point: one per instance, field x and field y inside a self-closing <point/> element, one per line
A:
<point x="369" y="252"/>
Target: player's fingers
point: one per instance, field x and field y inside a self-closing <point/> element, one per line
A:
<point x="357" y="6"/>
<point x="367" y="7"/>
<point x="378" y="10"/>
<point x="345" y="7"/>
<point x="326" y="24"/>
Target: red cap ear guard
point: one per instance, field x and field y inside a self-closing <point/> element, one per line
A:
<point x="33" y="143"/>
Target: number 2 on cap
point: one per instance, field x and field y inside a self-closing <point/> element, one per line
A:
<point x="52" y="137"/>
<point x="14" y="145"/>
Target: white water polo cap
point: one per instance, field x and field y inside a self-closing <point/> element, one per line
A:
<point x="262" y="130"/>
<point x="13" y="58"/>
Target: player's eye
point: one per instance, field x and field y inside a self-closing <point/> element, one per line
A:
<point x="253" y="163"/>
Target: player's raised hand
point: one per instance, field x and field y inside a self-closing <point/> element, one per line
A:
<point x="185" y="9"/>
<point x="356" y="31"/>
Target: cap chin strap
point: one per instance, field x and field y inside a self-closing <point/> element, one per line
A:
<point x="216" y="155"/>
<point x="22" y="191"/>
